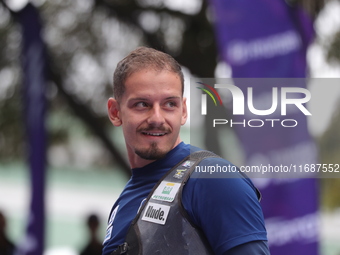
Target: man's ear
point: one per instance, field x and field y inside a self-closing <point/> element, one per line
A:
<point x="185" y="112"/>
<point x="113" y="112"/>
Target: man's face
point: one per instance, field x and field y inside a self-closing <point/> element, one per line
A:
<point x="151" y="112"/>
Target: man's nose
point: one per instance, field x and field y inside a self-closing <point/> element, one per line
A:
<point x="156" y="117"/>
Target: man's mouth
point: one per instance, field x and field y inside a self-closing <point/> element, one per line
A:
<point x="153" y="133"/>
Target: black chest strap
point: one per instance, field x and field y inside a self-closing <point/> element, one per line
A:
<point x="162" y="225"/>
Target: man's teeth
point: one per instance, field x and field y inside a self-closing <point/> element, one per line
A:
<point x="155" y="134"/>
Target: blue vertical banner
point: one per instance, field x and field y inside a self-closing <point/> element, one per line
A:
<point x="265" y="41"/>
<point x="34" y="103"/>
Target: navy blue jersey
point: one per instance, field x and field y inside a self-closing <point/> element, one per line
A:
<point x="226" y="209"/>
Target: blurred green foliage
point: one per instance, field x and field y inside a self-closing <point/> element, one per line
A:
<point x="85" y="40"/>
<point x="329" y="146"/>
<point x="333" y="54"/>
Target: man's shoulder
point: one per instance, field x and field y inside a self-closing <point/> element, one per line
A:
<point x="212" y="165"/>
<point x="210" y="154"/>
<point x="220" y="172"/>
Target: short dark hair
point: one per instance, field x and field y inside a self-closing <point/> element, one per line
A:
<point x="139" y="59"/>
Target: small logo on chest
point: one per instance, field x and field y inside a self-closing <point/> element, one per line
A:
<point x="166" y="191"/>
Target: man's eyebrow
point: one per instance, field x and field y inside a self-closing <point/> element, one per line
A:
<point x="174" y="97"/>
<point x="138" y="98"/>
<point x="147" y="99"/>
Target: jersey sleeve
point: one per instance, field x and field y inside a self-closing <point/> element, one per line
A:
<point x="225" y="207"/>
<point x="251" y="248"/>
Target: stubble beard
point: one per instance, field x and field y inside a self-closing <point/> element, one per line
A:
<point x="151" y="153"/>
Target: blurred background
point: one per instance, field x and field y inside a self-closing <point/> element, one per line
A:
<point x="83" y="163"/>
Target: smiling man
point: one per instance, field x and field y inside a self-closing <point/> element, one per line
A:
<point x="151" y="111"/>
<point x="166" y="208"/>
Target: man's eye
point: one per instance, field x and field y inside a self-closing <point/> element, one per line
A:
<point x="171" y="104"/>
<point x="141" y="104"/>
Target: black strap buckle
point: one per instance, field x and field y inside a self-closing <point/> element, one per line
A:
<point x="122" y="249"/>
